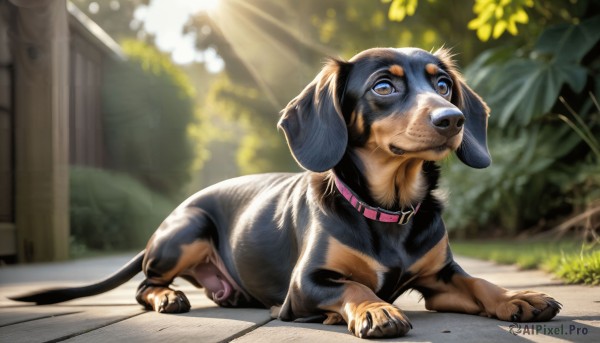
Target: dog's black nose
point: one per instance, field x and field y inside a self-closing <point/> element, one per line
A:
<point x="447" y="121"/>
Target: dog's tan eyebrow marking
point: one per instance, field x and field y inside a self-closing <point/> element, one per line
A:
<point x="431" y="68"/>
<point x="396" y="70"/>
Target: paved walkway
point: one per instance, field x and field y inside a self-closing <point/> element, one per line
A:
<point x="116" y="317"/>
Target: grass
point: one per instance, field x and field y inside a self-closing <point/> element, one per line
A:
<point x="583" y="268"/>
<point x="568" y="260"/>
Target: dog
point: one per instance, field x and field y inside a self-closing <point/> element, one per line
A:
<point x="342" y="240"/>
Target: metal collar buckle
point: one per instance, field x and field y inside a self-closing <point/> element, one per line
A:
<point x="406" y="215"/>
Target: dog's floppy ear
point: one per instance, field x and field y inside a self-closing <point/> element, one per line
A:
<point x="313" y="122"/>
<point x="473" y="150"/>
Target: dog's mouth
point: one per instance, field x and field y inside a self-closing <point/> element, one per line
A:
<point x="440" y="149"/>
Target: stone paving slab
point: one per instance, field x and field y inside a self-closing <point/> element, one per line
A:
<point x="208" y="324"/>
<point x="115" y="316"/>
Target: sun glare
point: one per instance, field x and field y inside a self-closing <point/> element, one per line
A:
<point x="207" y="5"/>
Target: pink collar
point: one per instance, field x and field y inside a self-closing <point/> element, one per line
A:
<point x="401" y="217"/>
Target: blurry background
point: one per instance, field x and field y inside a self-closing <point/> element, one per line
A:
<point x="169" y="96"/>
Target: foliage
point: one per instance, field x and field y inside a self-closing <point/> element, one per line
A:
<point x="539" y="162"/>
<point x="567" y="259"/>
<point x="507" y="195"/>
<point x="581" y="128"/>
<point x="357" y="25"/>
<point x="526" y="88"/>
<point x="148" y="111"/>
<point x="573" y="269"/>
<point x="494" y="17"/>
<point x="116" y="17"/>
<point x="400" y="9"/>
<point x="260" y="147"/>
<point x="112" y="211"/>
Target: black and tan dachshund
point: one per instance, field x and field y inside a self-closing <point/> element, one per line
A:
<point x="341" y="241"/>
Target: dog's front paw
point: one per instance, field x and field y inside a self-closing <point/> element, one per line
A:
<point x="527" y="306"/>
<point x="171" y="301"/>
<point x="378" y="320"/>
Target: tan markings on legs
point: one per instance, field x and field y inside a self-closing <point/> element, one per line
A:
<point x="164" y="299"/>
<point x="527" y="306"/>
<point x="366" y="314"/>
<point x="450" y="297"/>
<point x="190" y="255"/>
<point x="477" y="296"/>
<point x="433" y="261"/>
<point x="354" y="265"/>
<point x="333" y="318"/>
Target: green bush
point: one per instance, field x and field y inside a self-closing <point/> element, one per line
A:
<point x="112" y="211"/>
<point x="540" y="164"/>
<point x="148" y="111"/>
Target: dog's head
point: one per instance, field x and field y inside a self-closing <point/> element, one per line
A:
<point x="406" y="102"/>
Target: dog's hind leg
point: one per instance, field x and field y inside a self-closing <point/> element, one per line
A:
<point x="182" y="242"/>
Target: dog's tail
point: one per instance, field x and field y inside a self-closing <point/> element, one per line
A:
<point x="57" y="295"/>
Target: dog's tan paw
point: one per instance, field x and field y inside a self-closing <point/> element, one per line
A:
<point x="171" y="301"/>
<point x="333" y="318"/>
<point x="379" y="320"/>
<point x="527" y="306"/>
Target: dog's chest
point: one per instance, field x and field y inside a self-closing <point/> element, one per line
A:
<point x="380" y="266"/>
<point x="401" y="262"/>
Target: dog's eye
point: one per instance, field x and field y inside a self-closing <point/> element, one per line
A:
<point x="443" y="87"/>
<point x="384" y="88"/>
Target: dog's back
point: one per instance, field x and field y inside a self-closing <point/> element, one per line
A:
<point x="259" y="222"/>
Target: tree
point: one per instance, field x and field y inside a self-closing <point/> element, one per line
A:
<point x="264" y="42"/>
<point x="148" y="109"/>
<point x="116" y="17"/>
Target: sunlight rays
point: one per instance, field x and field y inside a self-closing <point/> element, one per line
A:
<point x="269" y="49"/>
<point x="319" y="48"/>
<point x="208" y="6"/>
